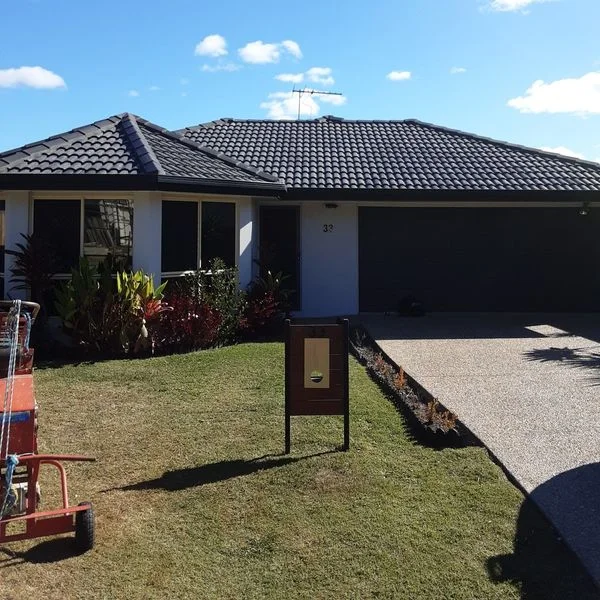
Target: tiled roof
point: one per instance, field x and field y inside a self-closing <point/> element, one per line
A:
<point x="332" y="153"/>
<point x="126" y="145"/>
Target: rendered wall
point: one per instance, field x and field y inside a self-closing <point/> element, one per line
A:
<point x="329" y="258"/>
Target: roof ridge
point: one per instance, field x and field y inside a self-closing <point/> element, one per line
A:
<point x="174" y="135"/>
<point x="55" y="141"/>
<point x="141" y="146"/>
<point x="505" y="144"/>
<point x="321" y="119"/>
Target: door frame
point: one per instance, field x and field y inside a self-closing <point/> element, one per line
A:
<point x="297" y="306"/>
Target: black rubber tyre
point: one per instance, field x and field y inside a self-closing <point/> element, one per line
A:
<point x="85" y="530"/>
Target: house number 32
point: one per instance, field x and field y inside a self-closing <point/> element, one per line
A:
<point x="327" y="228"/>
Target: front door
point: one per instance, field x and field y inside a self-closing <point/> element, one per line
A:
<point x="280" y="246"/>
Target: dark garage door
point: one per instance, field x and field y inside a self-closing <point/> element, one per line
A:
<point x="480" y="259"/>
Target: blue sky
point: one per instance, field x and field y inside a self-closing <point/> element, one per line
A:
<point x="467" y="64"/>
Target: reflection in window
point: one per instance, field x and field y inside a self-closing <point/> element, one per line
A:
<point x="108" y="230"/>
<point x="218" y="233"/>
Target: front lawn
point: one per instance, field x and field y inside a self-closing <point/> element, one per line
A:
<point x="194" y="499"/>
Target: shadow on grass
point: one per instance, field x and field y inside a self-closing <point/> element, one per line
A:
<point x="182" y="479"/>
<point x="578" y="358"/>
<point x="541" y="563"/>
<point x="48" y="551"/>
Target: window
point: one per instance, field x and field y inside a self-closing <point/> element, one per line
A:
<point x="218" y="233"/>
<point x="2" y="244"/>
<point x="179" y="236"/>
<point x="58" y="224"/>
<point x="108" y="230"/>
<point x="185" y="247"/>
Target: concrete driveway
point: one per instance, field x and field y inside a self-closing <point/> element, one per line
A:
<point x="528" y="386"/>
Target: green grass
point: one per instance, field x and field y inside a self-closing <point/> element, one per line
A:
<point x="187" y="508"/>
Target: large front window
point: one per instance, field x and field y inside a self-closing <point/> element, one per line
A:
<point x="106" y="226"/>
<point x="195" y="233"/>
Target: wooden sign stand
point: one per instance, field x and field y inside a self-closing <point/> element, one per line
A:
<point x="316" y="373"/>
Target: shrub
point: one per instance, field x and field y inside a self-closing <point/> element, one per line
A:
<point x="259" y="313"/>
<point x="189" y="325"/>
<point x="273" y="283"/>
<point x="106" y="315"/>
<point x="222" y="293"/>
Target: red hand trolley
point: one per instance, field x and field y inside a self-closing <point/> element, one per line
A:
<point x="19" y="459"/>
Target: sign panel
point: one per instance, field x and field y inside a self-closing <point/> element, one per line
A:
<point x="316" y="373"/>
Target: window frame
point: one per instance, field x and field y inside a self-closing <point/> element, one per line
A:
<point x="199" y="201"/>
<point x="81" y="198"/>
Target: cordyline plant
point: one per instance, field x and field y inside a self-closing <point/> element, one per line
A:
<point x="34" y="266"/>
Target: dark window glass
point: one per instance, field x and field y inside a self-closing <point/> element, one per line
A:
<point x="2" y="242"/>
<point x="108" y="229"/>
<point x="218" y="233"/>
<point x="179" y="236"/>
<point x="57" y="224"/>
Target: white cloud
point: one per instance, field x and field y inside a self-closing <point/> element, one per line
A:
<point x="229" y="67"/>
<point x="184" y="81"/>
<point x="575" y="96"/>
<point x="292" y="47"/>
<point x="211" y="45"/>
<point x="457" y="70"/>
<point x="320" y="75"/>
<point x="399" y="75"/>
<point x="154" y="88"/>
<point x="290" y="77"/>
<point x="34" y="77"/>
<point x="284" y="105"/>
<point x="564" y="151"/>
<point x="133" y="93"/>
<point x="184" y="94"/>
<point x="260" y="52"/>
<point x="513" y="5"/>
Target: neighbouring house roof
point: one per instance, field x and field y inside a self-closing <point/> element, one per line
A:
<point x="330" y="153"/>
<point x="127" y="148"/>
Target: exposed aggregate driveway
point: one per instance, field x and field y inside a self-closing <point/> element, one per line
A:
<point x="528" y="385"/>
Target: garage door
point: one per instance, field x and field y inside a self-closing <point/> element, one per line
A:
<point x="474" y="259"/>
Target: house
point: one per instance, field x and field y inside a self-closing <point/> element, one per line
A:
<point x="359" y="213"/>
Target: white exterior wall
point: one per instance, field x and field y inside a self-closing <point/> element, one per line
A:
<point x="245" y="211"/>
<point x="329" y="259"/>
<point x="16" y="222"/>
<point x="147" y="234"/>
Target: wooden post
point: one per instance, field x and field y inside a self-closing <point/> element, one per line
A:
<point x="346" y="325"/>
<point x="287" y="387"/>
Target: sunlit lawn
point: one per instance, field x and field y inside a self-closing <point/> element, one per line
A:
<point x="194" y="499"/>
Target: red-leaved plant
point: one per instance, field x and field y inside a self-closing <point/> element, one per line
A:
<point x="258" y="313"/>
<point x="188" y="325"/>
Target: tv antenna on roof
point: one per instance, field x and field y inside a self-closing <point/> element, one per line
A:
<point x="311" y="92"/>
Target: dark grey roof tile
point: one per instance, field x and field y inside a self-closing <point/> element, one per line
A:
<point x="390" y="155"/>
<point x="128" y="145"/>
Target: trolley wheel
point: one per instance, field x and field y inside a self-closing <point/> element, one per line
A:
<point x="85" y="528"/>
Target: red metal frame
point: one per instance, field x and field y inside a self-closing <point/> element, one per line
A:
<point x="50" y="522"/>
<point x="23" y="443"/>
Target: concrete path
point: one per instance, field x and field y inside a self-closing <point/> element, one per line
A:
<point x="529" y="387"/>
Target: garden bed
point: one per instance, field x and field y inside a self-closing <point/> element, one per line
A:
<point x="430" y="422"/>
